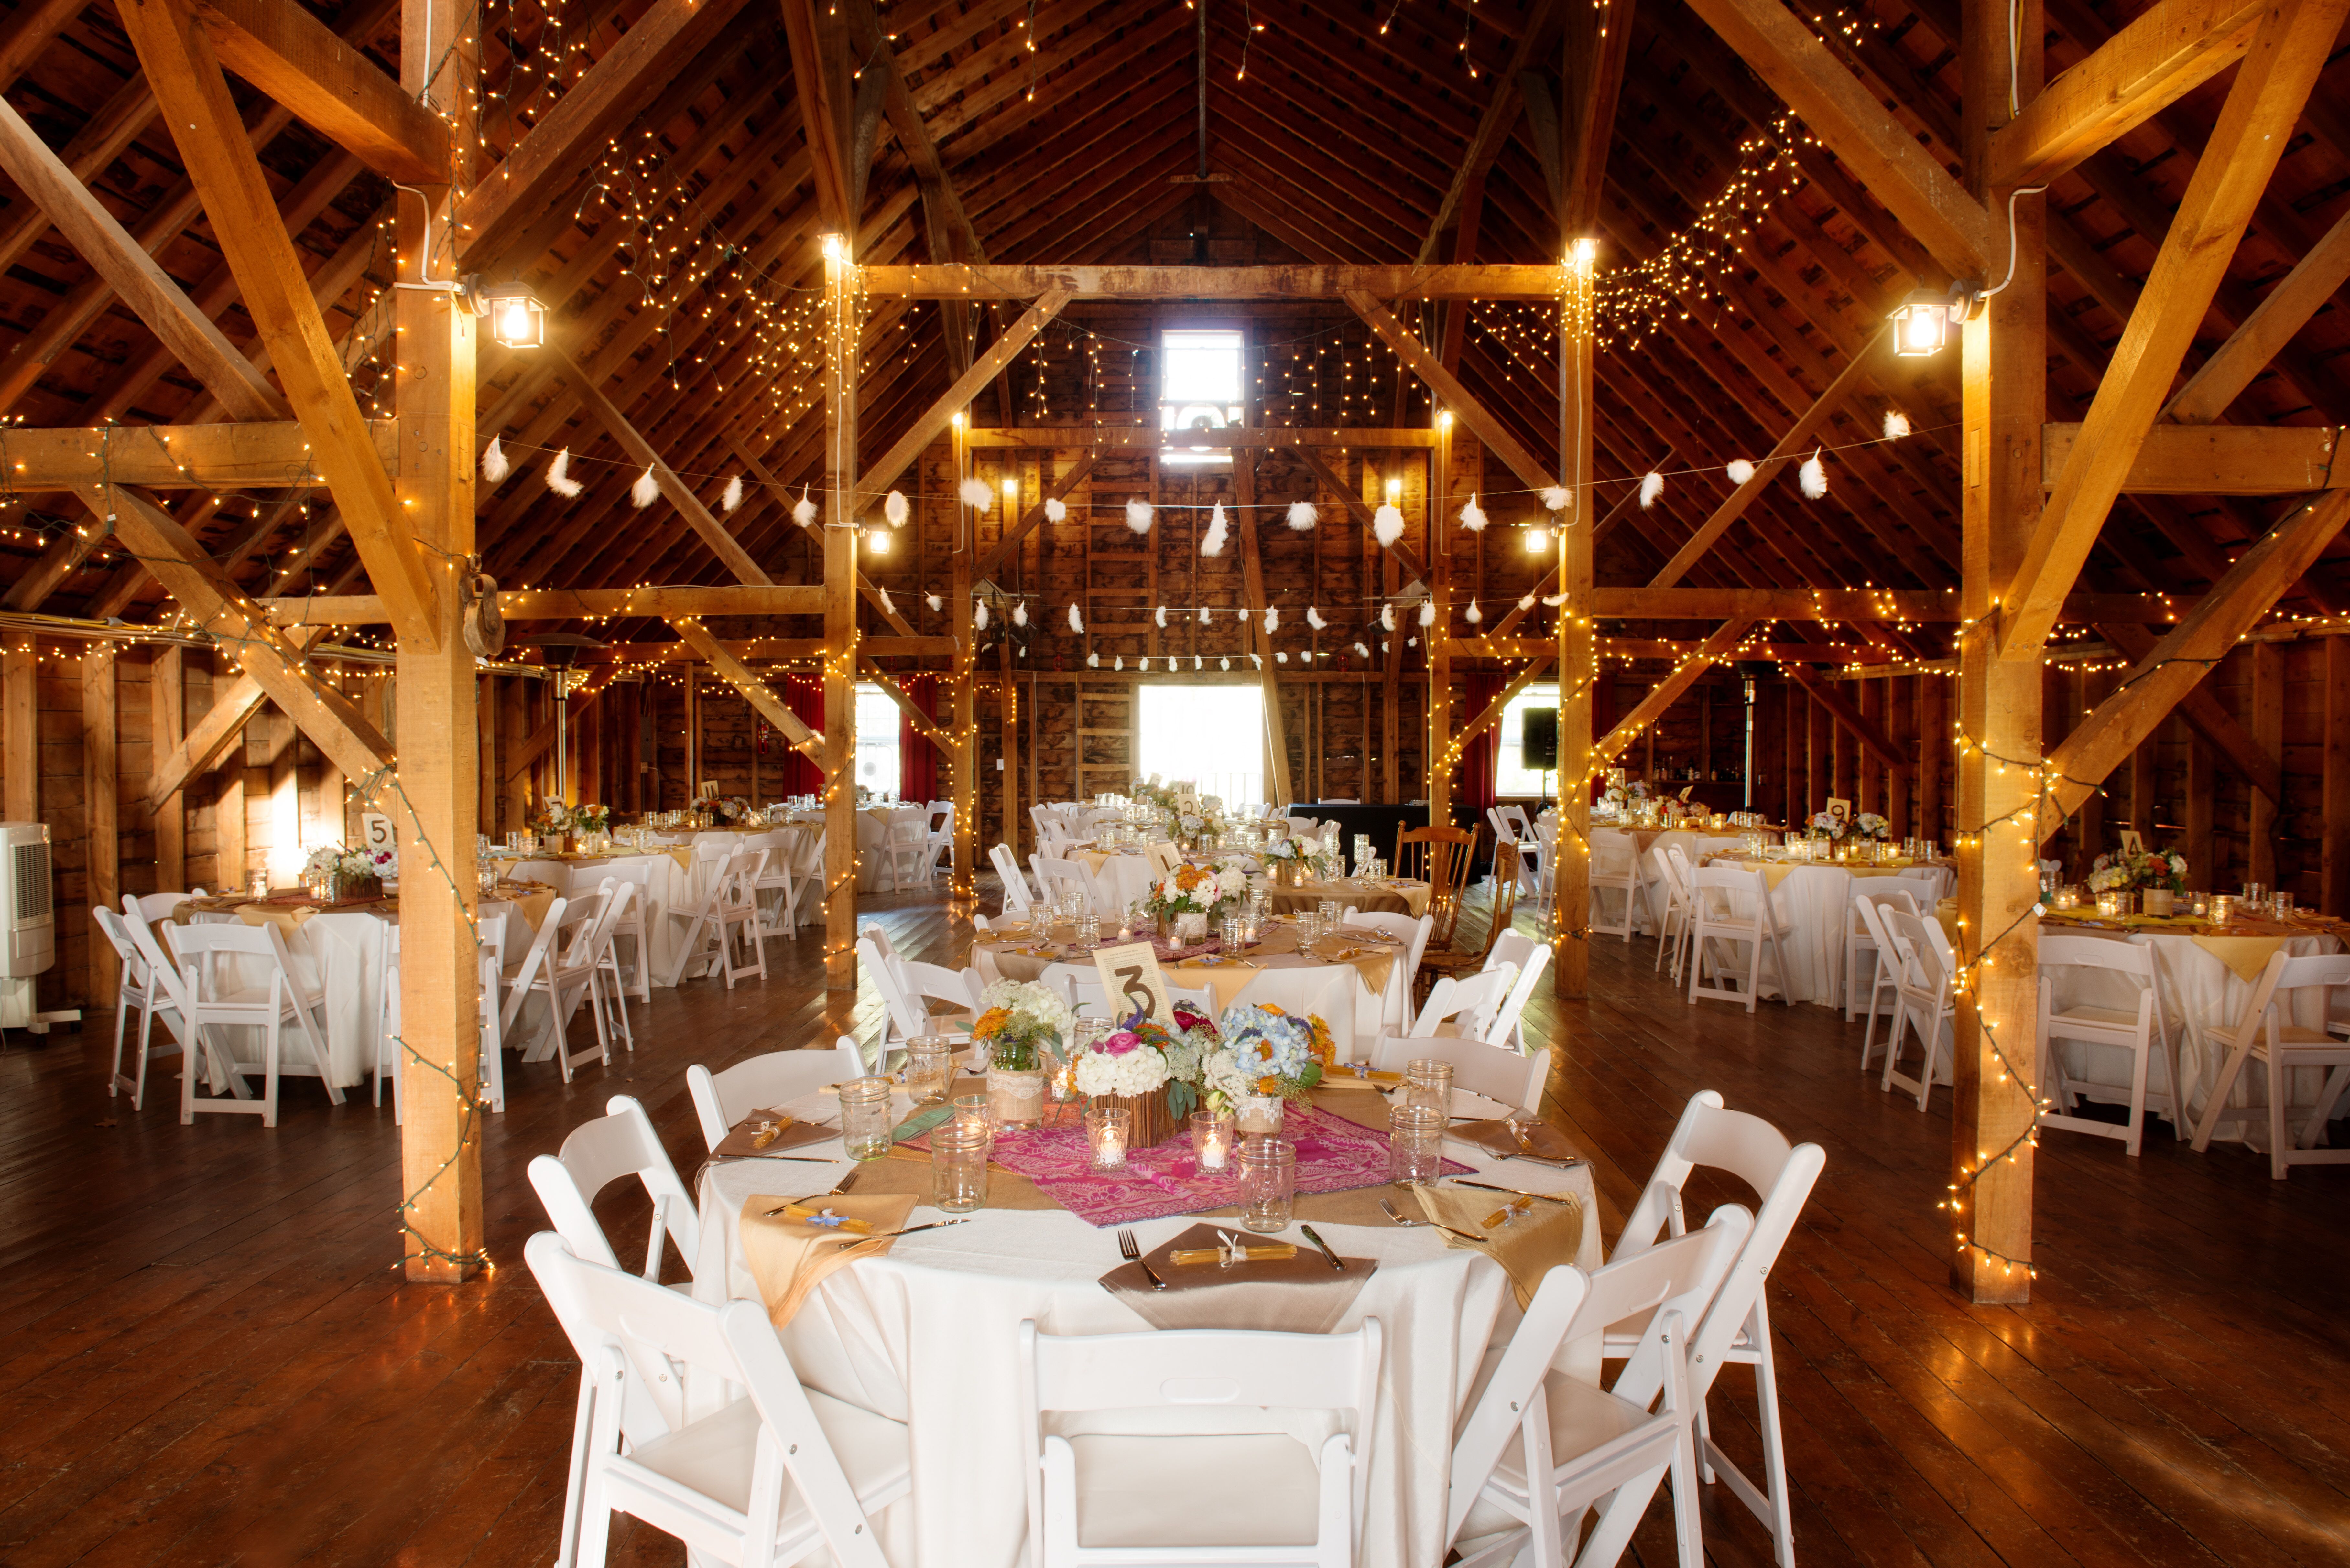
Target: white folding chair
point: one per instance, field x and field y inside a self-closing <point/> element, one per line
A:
<point x="1540" y="1447"/>
<point x="728" y="917"/>
<point x="620" y="1144"/>
<point x="905" y="853"/>
<point x="1673" y="930"/>
<point x="1735" y="1325"/>
<point x="1615" y="868"/>
<point x="1530" y="958"/>
<point x="1733" y="906"/>
<point x="906" y="1010"/>
<point x="520" y="980"/>
<point x="1018" y="898"/>
<point x="1479" y="1066"/>
<point x="724" y="1098"/>
<point x="1109" y="1497"/>
<point x="1410" y="934"/>
<point x="215" y="997"/>
<point x="1475" y="1000"/>
<point x="490" y="1084"/>
<point x="1060" y="877"/>
<point x="154" y="906"/>
<point x="777" y="887"/>
<point x="2268" y="1028"/>
<point x="939" y="820"/>
<point x="705" y="892"/>
<point x="1521" y="825"/>
<point x="565" y="974"/>
<point x="1327" y="992"/>
<point x="1929" y="1005"/>
<point x="2139" y="1029"/>
<point x="136" y="990"/>
<point x="1884" y="974"/>
<point x="773" y="1477"/>
<point x="1861" y="947"/>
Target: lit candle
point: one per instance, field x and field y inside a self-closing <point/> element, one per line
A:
<point x="1212" y="1153"/>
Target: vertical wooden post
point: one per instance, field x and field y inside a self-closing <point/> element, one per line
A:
<point x="963" y="724"/>
<point x="1277" y="782"/>
<point x="1391" y="686"/>
<point x="2267" y="734"/>
<point x="2003" y="399"/>
<point x="2333" y="892"/>
<point x="486" y="748"/>
<point x="2202" y="846"/>
<point x="229" y="839"/>
<point x="1007" y="711"/>
<point x="2089" y="820"/>
<point x="1934" y="752"/>
<point x="1819" y="759"/>
<point x="435" y="796"/>
<point x="20" y="748"/>
<point x="514" y="723"/>
<point x="167" y="700"/>
<point x="1869" y="797"/>
<point x="2145" y="775"/>
<point x="1579" y="643"/>
<point x="101" y="791"/>
<point x="1904" y="715"/>
<point x="1436" y="751"/>
<point x="692" y="732"/>
<point x="843" y="340"/>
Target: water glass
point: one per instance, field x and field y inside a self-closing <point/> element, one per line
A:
<point x="865" y="1119"/>
<point x="1268" y="1182"/>
<point x="1415" y="1145"/>
<point x="1212" y="1140"/>
<point x="1429" y="1082"/>
<point x="928" y="1060"/>
<point x="1229" y="931"/>
<point x="974" y="1111"/>
<point x="959" y="1166"/>
<point x="2254" y="895"/>
<point x="1106" y="1131"/>
<point x="1329" y="910"/>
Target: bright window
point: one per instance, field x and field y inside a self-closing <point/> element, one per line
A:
<point x="1511" y="775"/>
<point x="877" y="740"/>
<point x="1211" y="736"/>
<point x="1200" y="372"/>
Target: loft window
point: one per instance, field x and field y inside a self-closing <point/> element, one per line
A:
<point x="1199" y="388"/>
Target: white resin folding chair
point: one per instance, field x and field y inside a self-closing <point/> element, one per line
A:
<point x="567" y="973"/>
<point x="776" y="1476"/>
<point x="618" y="1144"/>
<point x="1616" y="869"/>
<point x="628" y="926"/>
<point x="779" y="886"/>
<point x="905" y="853"/>
<point x="938" y="823"/>
<point x="215" y="997"/>
<point x="2267" y="1029"/>
<point x="520" y="979"/>
<point x="1862" y="951"/>
<point x="135" y="991"/>
<point x="1734" y="907"/>
<point x="1067" y="877"/>
<point x="1540" y="1447"/>
<point x="727" y="917"/>
<point x="1018" y="897"/>
<point x="1885" y="977"/>
<point x="1466" y="1006"/>
<point x="908" y="990"/>
<point x="1325" y="991"/>
<point x="490" y="1081"/>
<point x="1410" y="934"/>
<point x="1530" y="960"/>
<point x="1734" y="1328"/>
<point x="1929" y="1005"/>
<point x="154" y="906"/>
<point x="1479" y="1066"/>
<point x="724" y="1098"/>
<point x="1113" y="1498"/>
<point x="2065" y="1015"/>
<point x="704" y="892"/>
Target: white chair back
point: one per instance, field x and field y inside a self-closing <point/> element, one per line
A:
<point x="1017" y="895"/>
<point x="620" y="1144"/>
<point x="724" y="1098"/>
<point x="1479" y="1066"/>
<point x="1328" y="993"/>
<point x="1474" y="999"/>
<point x="1504" y="1028"/>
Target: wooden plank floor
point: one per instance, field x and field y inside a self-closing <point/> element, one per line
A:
<point x="210" y="1357"/>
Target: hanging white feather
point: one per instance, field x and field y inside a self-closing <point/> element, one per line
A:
<point x="1361" y="651"/>
<point x="1527" y="602"/>
<point x="1203" y="615"/>
<point x="1198" y="662"/>
<point x="1474" y="614"/>
<point x="1314" y="617"/>
<point x="1385" y="643"/>
<point x="895" y="509"/>
<point x="1472" y="516"/>
<point x="1093" y="662"/>
<point x="1303" y="514"/>
<point x="1740" y="471"/>
<point x="804" y="509"/>
<point x="1386" y="524"/>
<point x="1055" y="509"/>
<point x="1554" y="601"/>
<point x="935" y="602"/>
<point x="1411" y="642"/>
<point x="1387" y="617"/>
<point x="1814" y="475"/>
<point x="1273" y="617"/>
<point x="1161" y="618"/>
<point x="979" y="616"/>
<point x="1557" y="497"/>
<point x="1020" y="613"/>
<point x="1280" y="657"/>
<point x="1224" y="664"/>
<point x="888" y="606"/>
<point x="731" y="497"/>
<point x="977" y="495"/>
<point x="1121" y="662"/>
<point x="1652" y="484"/>
<point x="558" y="476"/>
<point x="1897" y="424"/>
<point x="646" y="490"/>
<point x="1077" y="622"/>
<point x="493" y="462"/>
<point x="1217" y="531"/>
<point x="1139" y="513"/>
<point x="1023" y="650"/>
<point x="1428" y="613"/>
<point x="1258" y="660"/>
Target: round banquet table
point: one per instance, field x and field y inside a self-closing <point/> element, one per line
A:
<point x="1389" y="894"/>
<point x="1124" y="876"/>
<point x="1815" y="896"/>
<point x="925" y="1333"/>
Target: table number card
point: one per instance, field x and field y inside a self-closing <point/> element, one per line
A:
<point x="2132" y="842"/>
<point x="1130" y="978"/>
<point x="1685" y="791"/>
<point x="1163" y="858"/>
<point x="376" y="833"/>
<point x="1839" y="809"/>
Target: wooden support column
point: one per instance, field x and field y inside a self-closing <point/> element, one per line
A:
<point x="2333" y="888"/>
<point x="101" y="808"/>
<point x="228" y="807"/>
<point x="1872" y="708"/>
<point x="1436" y="751"/>
<point x="1276" y="731"/>
<point x="1578" y="645"/>
<point x="20" y="745"/>
<point x="2004" y="402"/>
<point x="2201" y="846"/>
<point x="1819" y="754"/>
<point x="485" y="747"/>
<point x="2268" y="735"/>
<point x="167" y="727"/>
<point x="1008" y="746"/>
<point x="843" y="332"/>
<point x="1903" y="710"/>
<point x="514" y="726"/>
<point x="961" y="721"/>
<point x="433" y="798"/>
<point x="1934" y="752"/>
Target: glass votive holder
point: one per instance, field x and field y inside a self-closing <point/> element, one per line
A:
<point x="258" y="883"/>
<point x="1328" y="908"/>
<point x="973" y="1110"/>
<point x="959" y="1166"/>
<point x="2112" y="902"/>
<point x="2067" y="896"/>
<point x="929" y="1058"/>
<point x="864" y="1117"/>
<point x="1428" y="1083"/>
<point x="1228" y="931"/>
<point x="1105" y="1136"/>
<point x="1268" y="1183"/>
<point x="2253" y="894"/>
<point x="1415" y="1145"/>
<point x="1213" y="1138"/>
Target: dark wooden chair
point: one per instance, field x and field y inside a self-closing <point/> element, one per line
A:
<point x="1463" y="960"/>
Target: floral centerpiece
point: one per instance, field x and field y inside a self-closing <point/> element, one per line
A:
<point x="1022" y="1024"/>
<point x="1265" y="1056"/>
<point x="1828" y="825"/>
<point x="1151" y="1070"/>
<point x="592" y="818"/>
<point x="340" y="874"/>
<point x="1189" y="898"/>
<point x="1285" y="858"/>
<point x="2161" y="870"/>
<point x="1152" y="792"/>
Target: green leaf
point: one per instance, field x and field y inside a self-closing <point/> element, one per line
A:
<point x="920" y="1123"/>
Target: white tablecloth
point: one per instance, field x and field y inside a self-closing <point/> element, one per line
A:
<point x="1816" y="900"/>
<point x="926" y="1334"/>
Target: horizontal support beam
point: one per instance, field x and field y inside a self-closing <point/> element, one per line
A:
<point x="571" y="604"/>
<point x="1834" y="653"/>
<point x="803" y="648"/>
<point x="1108" y="437"/>
<point x="2216" y="460"/>
<point x="264" y="455"/>
<point x="954" y="280"/>
<point x="1880" y="605"/>
<point x="330" y="86"/>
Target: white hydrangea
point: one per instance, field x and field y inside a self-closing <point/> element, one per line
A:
<point x="1138" y="1072"/>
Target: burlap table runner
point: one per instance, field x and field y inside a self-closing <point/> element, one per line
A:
<point x="789" y="1257"/>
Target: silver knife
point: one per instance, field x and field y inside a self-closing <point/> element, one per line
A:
<point x="1327" y="1252"/>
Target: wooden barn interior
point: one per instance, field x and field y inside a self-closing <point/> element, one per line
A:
<point x="1930" y="406"/>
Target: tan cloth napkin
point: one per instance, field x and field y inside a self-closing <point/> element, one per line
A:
<point x="739" y="1142"/>
<point x="1492" y="1135"/>
<point x="684" y="857"/>
<point x="1225" y="981"/>
<point x="789" y="1258"/>
<point x="2246" y="955"/>
<point x="1373" y="960"/>
<point x="287" y="917"/>
<point x="1527" y="1247"/>
<point x="1292" y="1295"/>
<point x="533" y="898"/>
<point x="187" y="909"/>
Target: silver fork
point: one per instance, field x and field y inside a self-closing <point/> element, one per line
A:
<point x="847" y="1182"/>
<point x="1132" y="1253"/>
<point x="1397" y="1215"/>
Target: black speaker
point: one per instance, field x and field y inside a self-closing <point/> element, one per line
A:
<point x="1538" y="741"/>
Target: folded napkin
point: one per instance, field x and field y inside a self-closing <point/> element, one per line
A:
<point x="789" y="1257"/>
<point x="1343" y="1079"/>
<point x="2247" y="956"/>
<point x="741" y="1141"/>
<point x="1543" y="1143"/>
<point x="1550" y="1232"/>
<point x="1294" y="1295"/>
<point x="275" y="914"/>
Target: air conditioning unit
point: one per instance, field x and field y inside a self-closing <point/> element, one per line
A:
<point x="28" y="920"/>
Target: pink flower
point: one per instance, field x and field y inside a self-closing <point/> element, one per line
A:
<point x="1119" y="1043"/>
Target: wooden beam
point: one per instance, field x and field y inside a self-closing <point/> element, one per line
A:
<point x="843" y="348"/>
<point x="297" y="59"/>
<point x="1576" y="631"/>
<point x="1859" y="725"/>
<point x="261" y="455"/>
<point x="1451" y="394"/>
<point x="1491" y="713"/>
<point x="960" y="281"/>
<point x="1277" y="728"/>
<point x="1492" y="125"/>
<point x="193" y="755"/>
<point x="993" y="562"/>
<point x="571" y="604"/>
<point x="2187" y="653"/>
<point x="939" y="200"/>
<point x="2166" y="52"/>
<point x="2215" y="459"/>
<point x="548" y="160"/>
<point x="20" y="731"/>
<point x="1851" y="121"/>
<point x="924" y="724"/>
<point x="820" y="117"/>
<point x="133" y="274"/>
<point x="933" y="419"/>
<point x="1150" y="438"/>
<point x="1691" y="669"/>
<point x="2205" y="715"/>
<point x="808" y="743"/>
<point x="2304" y="291"/>
<point x="2254" y="125"/>
<point x="220" y="162"/>
<point x="1603" y="44"/>
<point x="1799" y="435"/>
<point x="167" y="710"/>
<point x="1336" y="483"/>
<point x="2334" y="871"/>
<point x="541" y="740"/>
<point x="101" y="805"/>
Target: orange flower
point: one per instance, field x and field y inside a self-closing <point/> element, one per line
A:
<point x="1269" y="1007"/>
<point x="1268" y="1086"/>
<point x="990" y="1020"/>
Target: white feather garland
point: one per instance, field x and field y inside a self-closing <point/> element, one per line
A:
<point x="1740" y="471"/>
<point x="1121" y="662"/>
<point x="1428" y="612"/>
<point x="804" y="509"/>
<point x="646" y="490"/>
<point x="1361" y="651"/>
<point x="979" y="616"/>
<point x="1020" y="613"/>
<point x="1272" y="617"/>
<point x="1474" y="614"/>
<point x="1161" y="617"/>
<point x="1198" y="662"/>
<point x="1203" y="615"/>
<point x="558" y="476"/>
<point x="896" y="509"/>
<point x="1303" y="514"/>
<point x="1218" y="531"/>
<point x="1897" y="424"/>
<point x="888" y="606"/>
<point x="1077" y="622"/>
<point x="1314" y="617"/>
<point x="1554" y="601"/>
<point x="1526" y="602"/>
<point x="1652" y="484"/>
<point x="1056" y="510"/>
<point x="1472" y="516"/>
<point x="1280" y="657"/>
<point x="1557" y="497"/>
<point x="1258" y="660"/>
<point x="977" y="495"/>
<point x="1224" y="664"/>
<point x="935" y="602"/>
<point x="731" y="497"/>
<point x="1386" y="525"/>
<point x="1139" y="513"/>
<point x="1093" y="662"/>
<point x="493" y="462"/>
<point x="1387" y="617"/>
<point x="1814" y="475"/>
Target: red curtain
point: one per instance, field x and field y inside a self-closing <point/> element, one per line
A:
<point x="917" y="759"/>
<point x="1477" y="762"/>
<point x="804" y="694"/>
